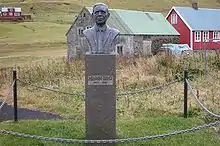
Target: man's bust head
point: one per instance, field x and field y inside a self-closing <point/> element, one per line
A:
<point x="101" y="37"/>
<point x="100" y="14"/>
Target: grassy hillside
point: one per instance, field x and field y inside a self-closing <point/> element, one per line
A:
<point x="152" y="5"/>
<point x="38" y="49"/>
<point x="52" y="19"/>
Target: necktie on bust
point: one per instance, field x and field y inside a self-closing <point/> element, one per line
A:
<point x="100" y="40"/>
<point x="100" y="34"/>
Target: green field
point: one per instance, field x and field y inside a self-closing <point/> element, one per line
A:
<point x="52" y="19"/>
<point x="38" y="49"/>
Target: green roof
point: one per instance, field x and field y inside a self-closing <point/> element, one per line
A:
<point x="139" y="22"/>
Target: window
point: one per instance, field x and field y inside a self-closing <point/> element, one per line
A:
<point x="216" y="35"/>
<point x="4" y="14"/>
<point x="173" y="19"/>
<point x="205" y="36"/>
<point x="84" y="14"/>
<point x="120" y="50"/>
<point x="80" y="31"/>
<point x="197" y="36"/>
<point x="16" y="14"/>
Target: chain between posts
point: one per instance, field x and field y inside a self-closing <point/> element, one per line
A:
<point x="119" y="94"/>
<point x="4" y="100"/>
<point x="44" y="88"/>
<point x="197" y="100"/>
<point x="148" y="89"/>
<point x="194" y="129"/>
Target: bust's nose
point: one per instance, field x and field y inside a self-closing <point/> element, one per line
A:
<point x="99" y="13"/>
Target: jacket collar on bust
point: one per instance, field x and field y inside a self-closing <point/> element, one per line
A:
<point x="103" y="28"/>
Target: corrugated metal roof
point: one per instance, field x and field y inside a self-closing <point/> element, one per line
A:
<point x="116" y="22"/>
<point x="139" y="22"/>
<point x="201" y="19"/>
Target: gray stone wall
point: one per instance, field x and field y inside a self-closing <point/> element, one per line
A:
<point x="126" y="41"/>
<point x="138" y="45"/>
<point x="76" y="42"/>
<point x="148" y="45"/>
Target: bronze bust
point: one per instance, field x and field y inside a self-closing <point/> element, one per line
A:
<point x="101" y="37"/>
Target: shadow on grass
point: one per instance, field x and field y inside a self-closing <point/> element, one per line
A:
<point x="7" y="113"/>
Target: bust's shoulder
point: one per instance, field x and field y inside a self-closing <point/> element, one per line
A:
<point x="115" y="31"/>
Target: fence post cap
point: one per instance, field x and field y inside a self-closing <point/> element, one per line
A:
<point x="14" y="68"/>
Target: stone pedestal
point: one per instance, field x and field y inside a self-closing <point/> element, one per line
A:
<point x="100" y="86"/>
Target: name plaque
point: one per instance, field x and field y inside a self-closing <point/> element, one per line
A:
<point x="100" y="80"/>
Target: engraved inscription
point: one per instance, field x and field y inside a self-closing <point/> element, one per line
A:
<point x="100" y="80"/>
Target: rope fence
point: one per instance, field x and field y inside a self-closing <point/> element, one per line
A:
<point x="199" y="102"/>
<point x="148" y="89"/>
<point x="5" y="99"/>
<point x="194" y="129"/>
<point x="118" y="94"/>
<point x="49" y="89"/>
<point x="187" y="87"/>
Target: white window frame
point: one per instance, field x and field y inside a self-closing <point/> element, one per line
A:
<point x="205" y="36"/>
<point x="173" y="18"/>
<point x="216" y="36"/>
<point x="198" y="36"/>
<point x="16" y="14"/>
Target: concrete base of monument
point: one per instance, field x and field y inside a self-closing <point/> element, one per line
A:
<point x="100" y="88"/>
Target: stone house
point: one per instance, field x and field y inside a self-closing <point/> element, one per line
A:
<point x="140" y="32"/>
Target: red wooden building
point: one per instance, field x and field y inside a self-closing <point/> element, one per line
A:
<point x="10" y="14"/>
<point x="198" y="27"/>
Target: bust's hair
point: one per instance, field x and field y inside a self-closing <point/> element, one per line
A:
<point x="98" y="4"/>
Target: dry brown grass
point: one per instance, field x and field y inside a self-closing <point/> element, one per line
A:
<point x="132" y="74"/>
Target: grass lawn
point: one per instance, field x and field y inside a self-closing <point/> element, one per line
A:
<point x="20" y="42"/>
<point x="145" y="126"/>
<point x="45" y="36"/>
<point x="32" y="32"/>
<point x="39" y="47"/>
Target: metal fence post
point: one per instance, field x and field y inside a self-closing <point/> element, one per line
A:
<point x="205" y="59"/>
<point x="15" y="94"/>
<point x="185" y="92"/>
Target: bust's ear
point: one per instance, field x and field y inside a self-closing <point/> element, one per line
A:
<point x="93" y="15"/>
<point x="108" y="14"/>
